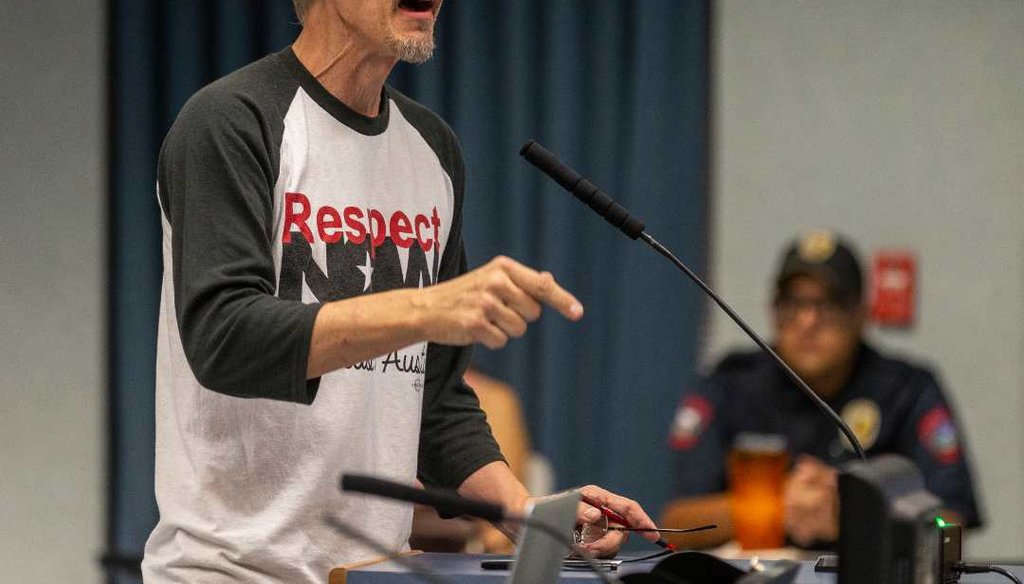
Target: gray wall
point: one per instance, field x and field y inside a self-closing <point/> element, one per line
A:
<point x="51" y="291"/>
<point x="901" y="124"/>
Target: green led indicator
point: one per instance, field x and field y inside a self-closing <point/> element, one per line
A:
<point x="940" y="522"/>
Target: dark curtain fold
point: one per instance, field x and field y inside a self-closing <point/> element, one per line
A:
<point x="617" y="88"/>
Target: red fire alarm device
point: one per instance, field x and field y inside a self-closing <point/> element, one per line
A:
<point x="894" y="288"/>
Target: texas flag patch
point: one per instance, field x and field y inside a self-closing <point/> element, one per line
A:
<point x="693" y="416"/>
<point x="938" y="435"/>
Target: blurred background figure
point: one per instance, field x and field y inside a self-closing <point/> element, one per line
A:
<point x="893" y="406"/>
<point x="505" y="416"/>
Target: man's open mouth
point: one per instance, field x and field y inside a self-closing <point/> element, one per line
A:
<point x="418" y="6"/>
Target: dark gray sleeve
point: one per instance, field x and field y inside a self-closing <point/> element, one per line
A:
<point x="216" y="178"/>
<point x="932" y="438"/>
<point x="455" y="439"/>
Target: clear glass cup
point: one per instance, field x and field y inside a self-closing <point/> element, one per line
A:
<point x="757" y="465"/>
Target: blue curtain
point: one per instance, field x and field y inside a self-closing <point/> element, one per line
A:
<point x="617" y="88"/>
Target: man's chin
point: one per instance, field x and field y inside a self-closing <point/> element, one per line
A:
<point x="410" y="49"/>
<point x="810" y="372"/>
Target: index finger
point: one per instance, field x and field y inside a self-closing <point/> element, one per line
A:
<point x="543" y="287"/>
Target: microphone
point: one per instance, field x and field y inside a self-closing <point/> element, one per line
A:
<point x="582" y="189"/>
<point x="447" y="503"/>
<point x="615" y="214"/>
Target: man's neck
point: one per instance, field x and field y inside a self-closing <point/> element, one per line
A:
<point x="829" y="385"/>
<point x="345" y="67"/>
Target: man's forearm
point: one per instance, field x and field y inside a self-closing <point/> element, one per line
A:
<point x="487" y="305"/>
<point x="350" y="331"/>
<point x="494" y="482"/>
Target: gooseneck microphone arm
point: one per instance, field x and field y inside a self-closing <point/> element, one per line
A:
<point x="633" y="227"/>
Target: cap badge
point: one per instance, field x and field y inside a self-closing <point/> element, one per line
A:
<point x="817" y="246"/>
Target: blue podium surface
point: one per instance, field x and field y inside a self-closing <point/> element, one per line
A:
<point x="465" y="569"/>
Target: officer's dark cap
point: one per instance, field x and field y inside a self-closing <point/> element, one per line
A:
<point x="827" y="256"/>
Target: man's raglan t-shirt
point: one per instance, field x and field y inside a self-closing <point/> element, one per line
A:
<point x="276" y="198"/>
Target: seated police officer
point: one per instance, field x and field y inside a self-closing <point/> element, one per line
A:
<point x="892" y="406"/>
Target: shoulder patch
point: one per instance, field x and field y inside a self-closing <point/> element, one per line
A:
<point x="938" y="435"/>
<point x="693" y="416"/>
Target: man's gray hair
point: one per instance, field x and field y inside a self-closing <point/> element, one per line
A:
<point x="301" y="6"/>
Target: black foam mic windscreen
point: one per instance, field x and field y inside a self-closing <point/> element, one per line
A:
<point x="582" y="189"/>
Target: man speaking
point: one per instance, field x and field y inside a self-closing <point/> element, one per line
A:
<point x="317" y="311"/>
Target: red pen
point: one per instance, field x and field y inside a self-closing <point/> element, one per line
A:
<point x="613" y="516"/>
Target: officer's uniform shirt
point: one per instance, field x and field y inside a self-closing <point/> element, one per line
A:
<point x="892" y="407"/>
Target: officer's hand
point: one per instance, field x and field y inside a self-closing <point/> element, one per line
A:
<point x="812" y="502"/>
<point x="492" y="303"/>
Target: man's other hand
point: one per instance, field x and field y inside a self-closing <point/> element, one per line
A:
<point x="608" y="545"/>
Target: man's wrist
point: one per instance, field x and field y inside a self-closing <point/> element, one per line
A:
<point x="420" y="313"/>
<point x="494" y="482"/>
